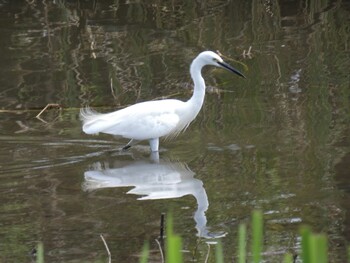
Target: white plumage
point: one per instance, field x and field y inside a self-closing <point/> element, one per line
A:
<point x="152" y="120"/>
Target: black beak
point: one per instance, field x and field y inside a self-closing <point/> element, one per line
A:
<point x="230" y="68"/>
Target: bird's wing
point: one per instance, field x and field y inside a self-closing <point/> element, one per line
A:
<point x="152" y="119"/>
<point x="145" y="126"/>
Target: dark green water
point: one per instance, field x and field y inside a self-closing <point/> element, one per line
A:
<point x="278" y="141"/>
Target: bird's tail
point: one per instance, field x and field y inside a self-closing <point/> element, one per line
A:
<point x="89" y="118"/>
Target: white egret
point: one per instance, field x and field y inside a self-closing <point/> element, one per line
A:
<point x="151" y="120"/>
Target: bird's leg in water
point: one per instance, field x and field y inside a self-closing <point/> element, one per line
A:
<point x="154" y="143"/>
<point x="129" y="144"/>
<point x="154" y="157"/>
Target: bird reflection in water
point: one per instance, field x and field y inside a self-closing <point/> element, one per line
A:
<point x="152" y="180"/>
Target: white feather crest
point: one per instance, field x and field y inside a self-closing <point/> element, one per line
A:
<point x="87" y="114"/>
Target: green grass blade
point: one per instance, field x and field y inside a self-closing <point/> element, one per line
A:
<point x="323" y="248"/>
<point x="288" y="258"/>
<point x="173" y="254"/>
<point x="219" y="256"/>
<point x="305" y="244"/>
<point x="145" y="253"/>
<point x="318" y="248"/>
<point x="40" y="253"/>
<point x="173" y="244"/>
<point x="257" y="236"/>
<point x="314" y="247"/>
<point x="242" y="243"/>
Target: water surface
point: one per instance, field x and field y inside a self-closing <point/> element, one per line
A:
<point x="277" y="141"/>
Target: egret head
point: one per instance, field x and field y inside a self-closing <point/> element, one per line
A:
<point x="211" y="58"/>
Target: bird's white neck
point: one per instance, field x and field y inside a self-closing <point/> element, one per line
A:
<point x="197" y="99"/>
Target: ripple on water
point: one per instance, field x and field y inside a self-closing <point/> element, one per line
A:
<point x="22" y="155"/>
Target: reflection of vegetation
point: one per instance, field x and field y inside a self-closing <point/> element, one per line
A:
<point x="12" y="241"/>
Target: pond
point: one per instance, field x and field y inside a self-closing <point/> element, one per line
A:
<point x="277" y="141"/>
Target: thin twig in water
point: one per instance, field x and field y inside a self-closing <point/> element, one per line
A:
<point x="16" y="111"/>
<point x="24" y="127"/>
<point x="50" y="105"/>
<point x="161" y="250"/>
<point x="207" y="257"/>
<point x="248" y="53"/>
<point x="112" y="90"/>
<point x="106" y="246"/>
